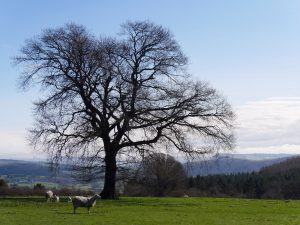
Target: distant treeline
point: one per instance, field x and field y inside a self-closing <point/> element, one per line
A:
<point x="161" y="175"/>
<point x="38" y="190"/>
<point x="278" y="181"/>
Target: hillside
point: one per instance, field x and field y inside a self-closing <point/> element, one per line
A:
<point x="22" y="172"/>
<point x="279" y="180"/>
<point x="28" y="173"/>
<point x="23" y="168"/>
<point x="234" y="163"/>
<point x="224" y="164"/>
<point x="283" y="166"/>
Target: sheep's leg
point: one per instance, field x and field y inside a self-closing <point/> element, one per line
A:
<point x="74" y="210"/>
<point x="88" y="210"/>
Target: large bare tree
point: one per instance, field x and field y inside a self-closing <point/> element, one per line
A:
<point x="104" y="99"/>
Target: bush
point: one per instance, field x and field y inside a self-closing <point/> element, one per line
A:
<point x="39" y="186"/>
<point x="3" y="183"/>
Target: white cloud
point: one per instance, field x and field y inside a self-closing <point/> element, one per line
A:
<point x="288" y="149"/>
<point x="271" y="125"/>
<point x="13" y="145"/>
<point x="268" y="126"/>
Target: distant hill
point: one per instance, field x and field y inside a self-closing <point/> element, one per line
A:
<point x="234" y="163"/>
<point x="286" y="166"/>
<point x="28" y="173"/>
<point x="256" y="156"/>
<point x="223" y="164"/>
<point x="22" y="172"/>
<point x="280" y="180"/>
<point x="23" y="168"/>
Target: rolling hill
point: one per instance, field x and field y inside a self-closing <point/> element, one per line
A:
<point x="234" y="163"/>
<point x="223" y="164"/>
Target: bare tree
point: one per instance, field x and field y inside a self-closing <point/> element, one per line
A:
<point x="105" y="98"/>
<point x="159" y="175"/>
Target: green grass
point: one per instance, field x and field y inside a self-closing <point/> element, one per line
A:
<point x="158" y="211"/>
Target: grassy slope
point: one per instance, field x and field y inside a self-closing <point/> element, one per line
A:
<point x="158" y="211"/>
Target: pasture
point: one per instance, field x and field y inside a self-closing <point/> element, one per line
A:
<point x="158" y="211"/>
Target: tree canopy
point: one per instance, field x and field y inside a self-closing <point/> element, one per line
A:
<point x="108" y="98"/>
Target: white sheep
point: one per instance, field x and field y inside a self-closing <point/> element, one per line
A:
<point x="56" y="198"/>
<point x="49" y="195"/>
<point x="86" y="202"/>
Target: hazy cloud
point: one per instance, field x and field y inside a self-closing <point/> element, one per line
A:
<point x="271" y="125"/>
<point x="268" y="126"/>
<point x="13" y="145"/>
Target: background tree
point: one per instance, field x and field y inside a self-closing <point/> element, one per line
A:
<point x="106" y="99"/>
<point x="3" y="183"/>
<point x="3" y="187"/>
<point x="39" y="187"/>
<point x="159" y="175"/>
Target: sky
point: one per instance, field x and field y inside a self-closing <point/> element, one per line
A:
<point x="249" y="50"/>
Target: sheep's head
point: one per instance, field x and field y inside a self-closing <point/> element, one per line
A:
<point x="98" y="196"/>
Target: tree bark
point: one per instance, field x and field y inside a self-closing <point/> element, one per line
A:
<point x="109" y="189"/>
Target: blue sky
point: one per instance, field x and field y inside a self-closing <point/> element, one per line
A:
<point x="249" y="50"/>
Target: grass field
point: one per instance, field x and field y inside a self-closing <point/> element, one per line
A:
<point x="158" y="211"/>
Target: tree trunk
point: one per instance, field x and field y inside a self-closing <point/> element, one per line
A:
<point x="109" y="189"/>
